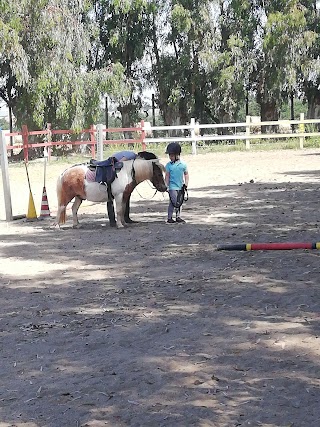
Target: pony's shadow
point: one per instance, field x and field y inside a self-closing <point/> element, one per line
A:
<point x="103" y="224"/>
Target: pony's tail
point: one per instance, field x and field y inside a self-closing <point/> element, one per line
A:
<point x="61" y="212"/>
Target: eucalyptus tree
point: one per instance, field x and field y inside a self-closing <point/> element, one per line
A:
<point x="57" y="87"/>
<point x="282" y="44"/>
<point x="228" y="58"/>
<point x="13" y="58"/>
<point x="310" y="73"/>
<point x="122" y="34"/>
<point x="179" y="31"/>
<point x="203" y="58"/>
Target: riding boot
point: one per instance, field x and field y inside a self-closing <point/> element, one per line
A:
<point x="111" y="214"/>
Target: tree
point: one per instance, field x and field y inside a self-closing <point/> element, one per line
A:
<point x="231" y="59"/>
<point x="57" y="87"/>
<point x="310" y="75"/>
<point x="13" y="59"/>
<point x="179" y="35"/>
<point x="282" y="51"/>
<point x="121" y="35"/>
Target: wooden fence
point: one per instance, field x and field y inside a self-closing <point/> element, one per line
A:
<point x="47" y="134"/>
<point x="247" y="132"/>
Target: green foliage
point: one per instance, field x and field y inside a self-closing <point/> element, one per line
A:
<point x="59" y="58"/>
<point x="57" y="87"/>
<point x="3" y="123"/>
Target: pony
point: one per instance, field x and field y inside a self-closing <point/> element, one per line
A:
<point x="147" y="155"/>
<point x="78" y="183"/>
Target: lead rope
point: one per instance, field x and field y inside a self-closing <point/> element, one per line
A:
<point x="182" y="196"/>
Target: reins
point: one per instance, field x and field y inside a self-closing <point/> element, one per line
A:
<point x="145" y="198"/>
<point x="133" y="175"/>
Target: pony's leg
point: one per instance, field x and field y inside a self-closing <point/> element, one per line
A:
<point x="111" y="214"/>
<point x="127" y="218"/>
<point x="61" y="215"/>
<point x="120" y="207"/>
<point x="75" y="208"/>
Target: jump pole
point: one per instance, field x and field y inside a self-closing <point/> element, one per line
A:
<point x="44" y="209"/>
<point x="5" y="177"/>
<point x="268" y="246"/>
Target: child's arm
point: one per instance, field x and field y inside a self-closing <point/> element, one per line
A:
<point x="186" y="178"/>
<point x="167" y="178"/>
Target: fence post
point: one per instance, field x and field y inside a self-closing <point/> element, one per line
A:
<point x="93" y="141"/>
<point x="143" y="135"/>
<point x="49" y="139"/>
<point x="25" y="143"/>
<point x="248" y="132"/>
<point x="193" y="135"/>
<point x="5" y="177"/>
<point x="301" y="130"/>
<point x="99" y="128"/>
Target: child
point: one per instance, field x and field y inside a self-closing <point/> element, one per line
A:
<point x="177" y="176"/>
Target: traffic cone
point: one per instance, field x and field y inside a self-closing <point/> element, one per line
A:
<point x="32" y="214"/>
<point x="45" y="211"/>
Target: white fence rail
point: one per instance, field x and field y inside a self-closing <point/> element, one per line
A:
<point x="247" y="135"/>
<point x="250" y="132"/>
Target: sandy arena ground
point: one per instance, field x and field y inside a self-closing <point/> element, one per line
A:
<point x="151" y="326"/>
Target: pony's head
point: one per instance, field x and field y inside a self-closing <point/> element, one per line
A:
<point x="152" y="170"/>
<point x="157" y="177"/>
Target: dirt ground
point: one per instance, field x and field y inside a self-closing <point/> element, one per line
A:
<point x="151" y="326"/>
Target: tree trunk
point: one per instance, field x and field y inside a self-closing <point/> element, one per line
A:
<point x="126" y="120"/>
<point x="292" y="110"/>
<point x="313" y="104"/>
<point x="313" y="96"/>
<point x="269" y="112"/>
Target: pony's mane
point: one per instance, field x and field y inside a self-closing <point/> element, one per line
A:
<point x="143" y="169"/>
<point x="146" y="155"/>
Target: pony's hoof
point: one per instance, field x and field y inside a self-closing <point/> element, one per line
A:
<point x="55" y="225"/>
<point x="130" y="221"/>
<point x="76" y="226"/>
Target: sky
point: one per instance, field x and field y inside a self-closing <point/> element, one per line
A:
<point x="3" y="110"/>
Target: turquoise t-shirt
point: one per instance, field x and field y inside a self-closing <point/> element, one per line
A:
<point x="176" y="172"/>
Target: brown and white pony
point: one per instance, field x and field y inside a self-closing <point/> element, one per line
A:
<point x="75" y="183"/>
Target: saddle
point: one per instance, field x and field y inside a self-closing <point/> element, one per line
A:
<point x="105" y="170"/>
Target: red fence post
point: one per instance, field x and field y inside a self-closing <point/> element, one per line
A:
<point x="25" y="134"/>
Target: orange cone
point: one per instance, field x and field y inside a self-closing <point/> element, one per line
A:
<point x="45" y="211"/>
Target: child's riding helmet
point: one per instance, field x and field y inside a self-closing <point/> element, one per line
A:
<point x="173" y="148"/>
